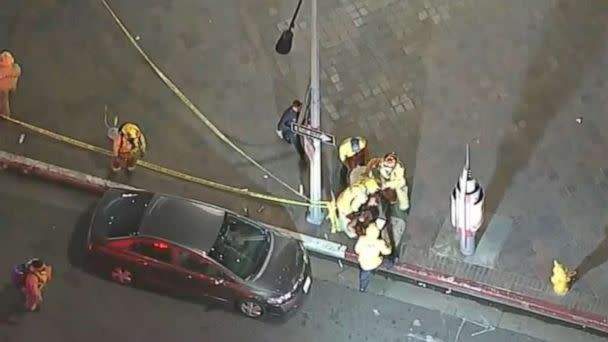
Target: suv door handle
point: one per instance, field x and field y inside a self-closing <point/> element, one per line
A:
<point x="189" y="276"/>
<point x="218" y="281"/>
<point x="142" y="262"/>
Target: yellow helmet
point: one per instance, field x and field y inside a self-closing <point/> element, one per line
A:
<point x="130" y="130"/>
<point x="370" y="184"/>
<point x="351" y="146"/>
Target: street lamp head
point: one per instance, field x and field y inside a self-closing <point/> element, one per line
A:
<point x="284" y="43"/>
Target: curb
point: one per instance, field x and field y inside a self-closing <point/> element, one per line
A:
<point x="498" y="295"/>
<point x="423" y="276"/>
<point x="98" y="185"/>
<point x="77" y="179"/>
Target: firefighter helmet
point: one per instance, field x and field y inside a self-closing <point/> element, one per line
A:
<point x="350" y="147"/>
<point x="371" y="185"/>
<point x="130" y="130"/>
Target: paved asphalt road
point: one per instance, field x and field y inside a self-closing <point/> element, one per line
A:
<point x="45" y="220"/>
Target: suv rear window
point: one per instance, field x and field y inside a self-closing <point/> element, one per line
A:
<point x="124" y="214"/>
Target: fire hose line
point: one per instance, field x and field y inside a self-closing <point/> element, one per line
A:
<point x="166" y="171"/>
<point x="190" y="105"/>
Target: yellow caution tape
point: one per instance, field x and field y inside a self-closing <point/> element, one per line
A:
<point x="189" y="104"/>
<point x="332" y="214"/>
<point x="164" y="170"/>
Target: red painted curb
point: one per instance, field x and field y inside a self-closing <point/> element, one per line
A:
<point x="54" y="173"/>
<point x="52" y="176"/>
<point x="503" y="296"/>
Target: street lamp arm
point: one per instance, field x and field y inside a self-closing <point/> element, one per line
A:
<point x="292" y="24"/>
<point x="283" y="45"/>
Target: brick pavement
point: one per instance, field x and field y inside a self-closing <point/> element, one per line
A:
<point x="421" y="78"/>
<point x="512" y="79"/>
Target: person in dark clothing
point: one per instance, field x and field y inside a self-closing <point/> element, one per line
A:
<point x="368" y="213"/>
<point x="290" y="115"/>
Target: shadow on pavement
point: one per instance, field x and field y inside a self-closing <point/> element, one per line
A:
<point x="595" y="258"/>
<point x="77" y="246"/>
<point x="10" y="305"/>
<point x="574" y="39"/>
<point x="9" y="16"/>
<point x="285" y="87"/>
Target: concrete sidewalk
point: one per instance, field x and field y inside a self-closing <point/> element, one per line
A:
<point x="421" y="78"/>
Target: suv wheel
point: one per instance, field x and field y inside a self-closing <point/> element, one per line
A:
<point x="122" y="275"/>
<point x="251" y="309"/>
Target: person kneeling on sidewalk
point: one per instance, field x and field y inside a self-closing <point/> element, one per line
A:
<point x="371" y="251"/>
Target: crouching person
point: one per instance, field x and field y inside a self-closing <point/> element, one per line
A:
<point x="129" y="146"/>
<point x="36" y="277"/>
<point x="372" y="252"/>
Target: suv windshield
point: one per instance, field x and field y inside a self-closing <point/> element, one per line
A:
<point x="241" y="247"/>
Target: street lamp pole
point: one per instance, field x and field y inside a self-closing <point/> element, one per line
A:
<point x="283" y="47"/>
<point x="315" y="214"/>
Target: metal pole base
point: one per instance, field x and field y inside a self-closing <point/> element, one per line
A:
<point x="315" y="216"/>
<point x="467" y="247"/>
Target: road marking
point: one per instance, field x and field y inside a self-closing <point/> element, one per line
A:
<point x="486" y="327"/>
<point x="459" y="330"/>
<point x="424" y="338"/>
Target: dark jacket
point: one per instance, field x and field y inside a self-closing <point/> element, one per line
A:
<point x="289" y="116"/>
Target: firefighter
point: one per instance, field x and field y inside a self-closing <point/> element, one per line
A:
<point x="34" y="277"/>
<point x="369" y="212"/>
<point x="9" y="76"/>
<point x="129" y="146"/>
<point x="353" y="153"/>
<point x="372" y="252"/>
<point x="351" y="200"/>
<point x="389" y="172"/>
<point x="360" y="222"/>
